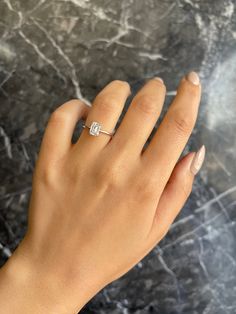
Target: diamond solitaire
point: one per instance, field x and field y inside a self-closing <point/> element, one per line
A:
<point x="95" y="128"/>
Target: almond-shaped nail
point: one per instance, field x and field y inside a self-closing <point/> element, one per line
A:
<point x="193" y="78"/>
<point x="158" y="79"/>
<point x="198" y="160"/>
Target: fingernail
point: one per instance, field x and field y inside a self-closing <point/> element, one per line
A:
<point x="193" y="78"/>
<point x="198" y="160"/>
<point x="158" y="79"/>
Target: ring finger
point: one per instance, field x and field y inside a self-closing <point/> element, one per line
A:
<point x="106" y="109"/>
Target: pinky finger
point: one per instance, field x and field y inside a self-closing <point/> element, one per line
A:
<point x="175" y="194"/>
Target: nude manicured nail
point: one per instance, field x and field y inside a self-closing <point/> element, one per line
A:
<point x="198" y="160"/>
<point x="193" y="78"/>
<point x="159" y="79"/>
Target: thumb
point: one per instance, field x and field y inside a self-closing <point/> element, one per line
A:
<point x="175" y="194"/>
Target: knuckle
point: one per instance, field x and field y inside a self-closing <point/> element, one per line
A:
<point x="182" y="122"/>
<point x="146" y="104"/>
<point x="106" y="102"/>
<point x="47" y="176"/>
<point x="74" y="174"/>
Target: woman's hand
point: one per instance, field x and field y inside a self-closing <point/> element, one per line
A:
<point x="100" y="205"/>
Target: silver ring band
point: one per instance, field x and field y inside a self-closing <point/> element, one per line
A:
<point x="96" y="128"/>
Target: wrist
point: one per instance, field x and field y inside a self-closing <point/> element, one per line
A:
<point x="26" y="288"/>
<point x="22" y="290"/>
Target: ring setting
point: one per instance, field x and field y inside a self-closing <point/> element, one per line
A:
<point x="96" y="128"/>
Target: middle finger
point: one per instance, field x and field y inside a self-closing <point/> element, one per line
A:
<point x="140" y="117"/>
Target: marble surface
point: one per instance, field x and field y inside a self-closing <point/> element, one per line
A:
<point x="51" y="51"/>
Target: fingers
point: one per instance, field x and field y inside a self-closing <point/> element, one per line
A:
<point x="171" y="137"/>
<point x="175" y="194"/>
<point x="106" y="110"/>
<point x="140" y="117"/>
<point x="60" y="127"/>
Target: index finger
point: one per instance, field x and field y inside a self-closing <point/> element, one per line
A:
<point x="167" y="144"/>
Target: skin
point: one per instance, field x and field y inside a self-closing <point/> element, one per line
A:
<point x="100" y="205"/>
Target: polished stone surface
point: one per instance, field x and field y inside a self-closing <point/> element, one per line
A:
<point x="51" y="51"/>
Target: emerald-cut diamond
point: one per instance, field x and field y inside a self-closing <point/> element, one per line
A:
<point x="95" y="128"/>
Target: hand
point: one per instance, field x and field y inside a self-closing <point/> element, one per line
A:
<point x="100" y="205"/>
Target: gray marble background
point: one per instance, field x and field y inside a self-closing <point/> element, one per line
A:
<point x="51" y="51"/>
